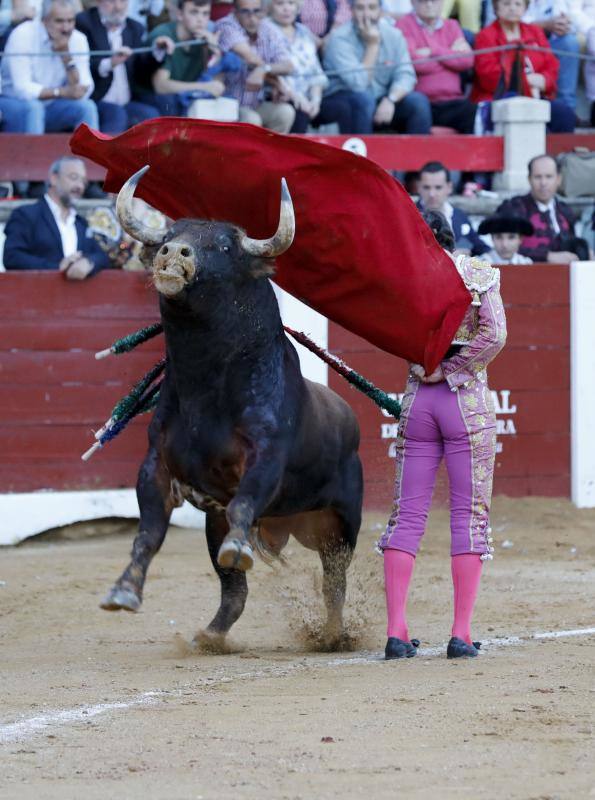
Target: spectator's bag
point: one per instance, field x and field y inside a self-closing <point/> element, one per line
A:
<point x="219" y="109"/>
<point x="578" y="172"/>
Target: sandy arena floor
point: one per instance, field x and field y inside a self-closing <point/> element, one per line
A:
<point x="102" y="705"/>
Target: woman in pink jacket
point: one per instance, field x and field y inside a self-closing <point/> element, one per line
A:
<point x="449" y="414"/>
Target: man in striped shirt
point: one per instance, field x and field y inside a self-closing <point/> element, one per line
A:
<point x="265" y="58"/>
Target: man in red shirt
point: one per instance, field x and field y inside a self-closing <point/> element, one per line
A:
<point x="428" y="35"/>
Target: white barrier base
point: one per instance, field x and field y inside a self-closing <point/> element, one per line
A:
<point x="28" y="513"/>
<point x="582" y="386"/>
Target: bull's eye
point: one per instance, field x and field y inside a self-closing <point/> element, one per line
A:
<point x="226" y="248"/>
<point x="164" y="250"/>
<point x="185" y="251"/>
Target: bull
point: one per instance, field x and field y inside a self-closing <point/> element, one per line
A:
<point x="238" y="431"/>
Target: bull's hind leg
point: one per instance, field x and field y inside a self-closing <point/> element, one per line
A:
<point x="335" y="557"/>
<point x="324" y="531"/>
<point x="156" y="503"/>
<point x="234" y="586"/>
<point x="336" y="549"/>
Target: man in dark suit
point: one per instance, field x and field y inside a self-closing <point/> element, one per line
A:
<point x="553" y="238"/>
<point x="435" y="187"/>
<point x="119" y="78"/>
<point x="50" y="234"/>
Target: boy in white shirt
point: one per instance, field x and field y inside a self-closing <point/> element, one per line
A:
<point x="507" y="234"/>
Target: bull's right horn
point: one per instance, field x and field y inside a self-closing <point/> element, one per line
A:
<point x="128" y="221"/>
<point x="282" y="239"/>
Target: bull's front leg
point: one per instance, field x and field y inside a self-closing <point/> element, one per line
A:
<point x="156" y="504"/>
<point x="255" y="491"/>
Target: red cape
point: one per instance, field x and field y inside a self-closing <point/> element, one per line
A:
<point x="362" y="255"/>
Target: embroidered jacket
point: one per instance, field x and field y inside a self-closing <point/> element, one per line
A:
<point x="483" y="329"/>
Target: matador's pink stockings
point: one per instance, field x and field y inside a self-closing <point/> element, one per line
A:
<point x="398" y="569"/>
<point x="466" y="574"/>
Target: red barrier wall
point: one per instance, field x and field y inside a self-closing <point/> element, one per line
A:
<point x="53" y="393"/>
<point x="531" y="379"/>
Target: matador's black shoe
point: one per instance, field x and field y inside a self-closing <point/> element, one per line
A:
<point x="397" y="648"/>
<point x="458" y="648"/>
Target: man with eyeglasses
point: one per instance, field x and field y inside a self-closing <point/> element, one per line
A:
<point x="265" y="58"/>
<point x="368" y="56"/>
<point x="428" y="35"/>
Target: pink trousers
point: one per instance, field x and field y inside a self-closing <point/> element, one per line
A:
<point x="460" y="427"/>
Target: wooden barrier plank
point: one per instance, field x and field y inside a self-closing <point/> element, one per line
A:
<point x="408" y="152"/>
<point x="538" y="326"/>
<point x="74" y="404"/>
<point x="48" y="369"/>
<point x="70" y="474"/>
<point x="39" y="445"/>
<point x="521" y="285"/>
<point x="112" y="295"/>
<point x="28" y="157"/>
<point x="535" y="486"/>
<point x="557" y="143"/>
<point x="72" y="336"/>
<point x="541" y="370"/>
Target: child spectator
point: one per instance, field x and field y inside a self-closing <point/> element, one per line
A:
<point x="192" y="72"/>
<point x="507" y="234"/>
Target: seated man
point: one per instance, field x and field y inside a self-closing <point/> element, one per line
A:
<point x="435" y="187"/>
<point x="265" y="58"/>
<point x="554" y="239"/>
<point x="367" y="58"/>
<point x="107" y="27"/>
<point x="58" y="80"/>
<point x="428" y="35"/>
<point x="50" y="234"/>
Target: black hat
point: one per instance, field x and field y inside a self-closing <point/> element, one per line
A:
<point x="505" y="223"/>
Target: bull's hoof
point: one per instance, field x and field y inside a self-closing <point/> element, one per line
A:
<point x="234" y="554"/>
<point x="210" y="642"/>
<point x="121" y="599"/>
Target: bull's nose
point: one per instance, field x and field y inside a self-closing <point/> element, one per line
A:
<point x="177" y="250"/>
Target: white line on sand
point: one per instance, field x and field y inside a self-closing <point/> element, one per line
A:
<point x="486" y="644"/>
<point x="26" y="728"/>
<point x="17" y="731"/>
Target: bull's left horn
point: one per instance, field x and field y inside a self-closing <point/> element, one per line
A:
<point x="128" y="221"/>
<point x="282" y="239"/>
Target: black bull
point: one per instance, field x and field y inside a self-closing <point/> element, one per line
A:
<point x="238" y="432"/>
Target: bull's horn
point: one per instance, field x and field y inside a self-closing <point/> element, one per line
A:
<point x="128" y="221"/>
<point x="281" y="241"/>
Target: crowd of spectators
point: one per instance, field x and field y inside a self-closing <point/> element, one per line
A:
<point x="367" y="65"/>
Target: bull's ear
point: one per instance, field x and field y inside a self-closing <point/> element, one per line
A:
<point x="262" y="267"/>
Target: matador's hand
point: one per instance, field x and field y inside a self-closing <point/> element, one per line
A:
<point x="435" y="377"/>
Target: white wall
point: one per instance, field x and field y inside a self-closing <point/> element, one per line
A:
<point x="304" y="319"/>
<point x="582" y="385"/>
